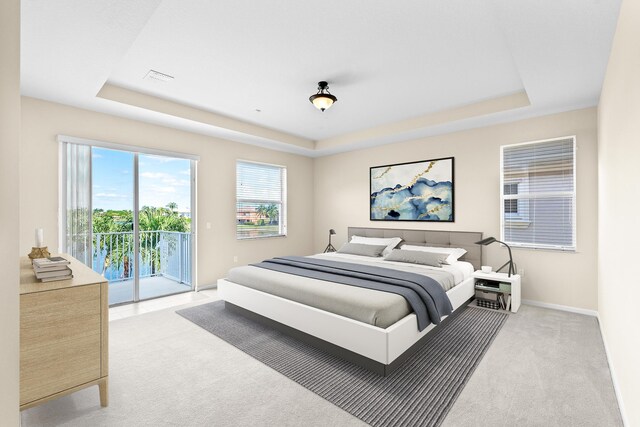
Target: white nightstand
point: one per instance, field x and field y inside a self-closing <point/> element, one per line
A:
<point x="509" y="286"/>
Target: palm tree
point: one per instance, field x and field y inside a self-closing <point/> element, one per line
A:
<point x="119" y="255"/>
<point x="113" y="222"/>
<point x="159" y="219"/>
<point x="272" y="212"/>
<point x="263" y="211"/>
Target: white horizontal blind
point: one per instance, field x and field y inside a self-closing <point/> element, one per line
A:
<point x="261" y="200"/>
<point x="538" y="194"/>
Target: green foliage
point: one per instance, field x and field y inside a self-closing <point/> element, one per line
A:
<point x="150" y="219"/>
<point x="270" y="211"/>
<point x="120" y="250"/>
<point x="112" y="221"/>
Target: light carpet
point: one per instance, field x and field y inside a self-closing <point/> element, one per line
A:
<point x="545" y="368"/>
<point x="420" y="393"/>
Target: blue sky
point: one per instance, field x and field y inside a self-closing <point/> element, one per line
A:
<point x="162" y="180"/>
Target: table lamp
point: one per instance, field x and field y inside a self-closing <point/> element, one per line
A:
<point x="330" y="247"/>
<point x="490" y="240"/>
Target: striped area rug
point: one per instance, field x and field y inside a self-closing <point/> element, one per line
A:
<point x="420" y="393"/>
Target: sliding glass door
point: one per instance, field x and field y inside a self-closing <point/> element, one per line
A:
<point x="129" y="216"/>
<point x="164" y="200"/>
<point x="113" y="184"/>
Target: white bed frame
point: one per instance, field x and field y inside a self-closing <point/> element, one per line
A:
<point x="380" y="346"/>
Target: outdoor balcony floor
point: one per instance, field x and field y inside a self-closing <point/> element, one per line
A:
<point x="150" y="287"/>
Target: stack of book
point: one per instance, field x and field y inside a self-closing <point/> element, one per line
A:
<point x="51" y="269"/>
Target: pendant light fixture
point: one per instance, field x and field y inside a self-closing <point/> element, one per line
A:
<point x="323" y="99"/>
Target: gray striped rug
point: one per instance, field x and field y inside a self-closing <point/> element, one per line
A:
<point x="420" y="393"/>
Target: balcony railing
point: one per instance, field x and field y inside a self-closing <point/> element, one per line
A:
<point x="162" y="253"/>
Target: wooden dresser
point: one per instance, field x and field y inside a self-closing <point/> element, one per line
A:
<point x="64" y="332"/>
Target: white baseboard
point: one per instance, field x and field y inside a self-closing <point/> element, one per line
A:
<point x="208" y="286"/>
<point x="568" y="308"/>
<point x="616" y="388"/>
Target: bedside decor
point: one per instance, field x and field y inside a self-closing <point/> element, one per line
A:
<point x="39" y="250"/>
<point x="52" y="269"/>
<point x="37" y="253"/>
<point x="415" y="191"/>
<point x="512" y="266"/>
<point x="330" y="247"/>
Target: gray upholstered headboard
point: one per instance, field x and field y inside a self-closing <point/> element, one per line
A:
<point x="445" y="239"/>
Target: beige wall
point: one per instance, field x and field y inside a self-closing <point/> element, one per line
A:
<point x="341" y="193"/>
<point x="619" y="189"/>
<point x="42" y="121"/>
<point x="9" y="214"/>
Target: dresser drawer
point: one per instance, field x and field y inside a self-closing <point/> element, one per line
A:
<point x="60" y="340"/>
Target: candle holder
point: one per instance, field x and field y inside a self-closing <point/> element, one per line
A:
<point x="36" y="253"/>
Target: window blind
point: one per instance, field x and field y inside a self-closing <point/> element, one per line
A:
<point x="77" y="240"/>
<point x="261" y="200"/>
<point x="538" y="194"/>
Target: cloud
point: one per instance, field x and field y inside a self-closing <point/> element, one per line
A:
<point x="111" y="195"/>
<point x="162" y="159"/>
<point x="153" y="175"/>
<point x="165" y="178"/>
<point x="166" y="190"/>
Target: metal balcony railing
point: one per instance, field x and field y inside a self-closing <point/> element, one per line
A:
<point x="162" y="253"/>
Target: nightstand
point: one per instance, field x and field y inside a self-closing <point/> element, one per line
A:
<point x="496" y="283"/>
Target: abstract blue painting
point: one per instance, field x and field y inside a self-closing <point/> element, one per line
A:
<point x="416" y="191"/>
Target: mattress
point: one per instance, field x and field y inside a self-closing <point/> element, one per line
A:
<point x="377" y="308"/>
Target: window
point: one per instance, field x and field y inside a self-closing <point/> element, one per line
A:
<point x="538" y="194"/>
<point x="510" y="205"/>
<point x="260" y="200"/>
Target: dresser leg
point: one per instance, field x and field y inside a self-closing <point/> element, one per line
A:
<point x="104" y="392"/>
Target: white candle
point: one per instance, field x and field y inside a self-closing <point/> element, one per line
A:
<point x="39" y="238"/>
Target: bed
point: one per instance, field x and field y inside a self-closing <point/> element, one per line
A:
<point x="373" y="329"/>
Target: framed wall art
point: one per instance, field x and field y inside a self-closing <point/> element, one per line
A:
<point x="415" y="191"/>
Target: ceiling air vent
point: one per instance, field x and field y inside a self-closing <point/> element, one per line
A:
<point x="156" y="75"/>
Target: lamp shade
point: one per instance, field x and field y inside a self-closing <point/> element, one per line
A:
<point x="332" y="231"/>
<point x="322" y="102"/>
<point x="490" y="240"/>
<point x="487" y="241"/>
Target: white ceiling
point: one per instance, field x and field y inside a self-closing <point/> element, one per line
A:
<point x="385" y="61"/>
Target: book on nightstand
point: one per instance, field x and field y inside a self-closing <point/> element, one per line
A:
<point x="54" y="261"/>
<point x="63" y="273"/>
<point x="52" y="269"/>
<point x="53" y="279"/>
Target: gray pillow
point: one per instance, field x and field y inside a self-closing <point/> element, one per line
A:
<point x="417" y="257"/>
<point x="362" y="249"/>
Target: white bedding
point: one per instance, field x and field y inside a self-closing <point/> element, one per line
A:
<point x="461" y="270"/>
<point x="370" y="306"/>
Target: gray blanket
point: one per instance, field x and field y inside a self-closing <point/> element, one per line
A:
<point x="425" y="296"/>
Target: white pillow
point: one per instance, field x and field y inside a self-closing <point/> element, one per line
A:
<point x="454" y="253"/>
<point x="390" y="242"/>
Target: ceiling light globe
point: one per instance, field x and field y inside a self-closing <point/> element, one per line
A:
<point x="322" y="102"/>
